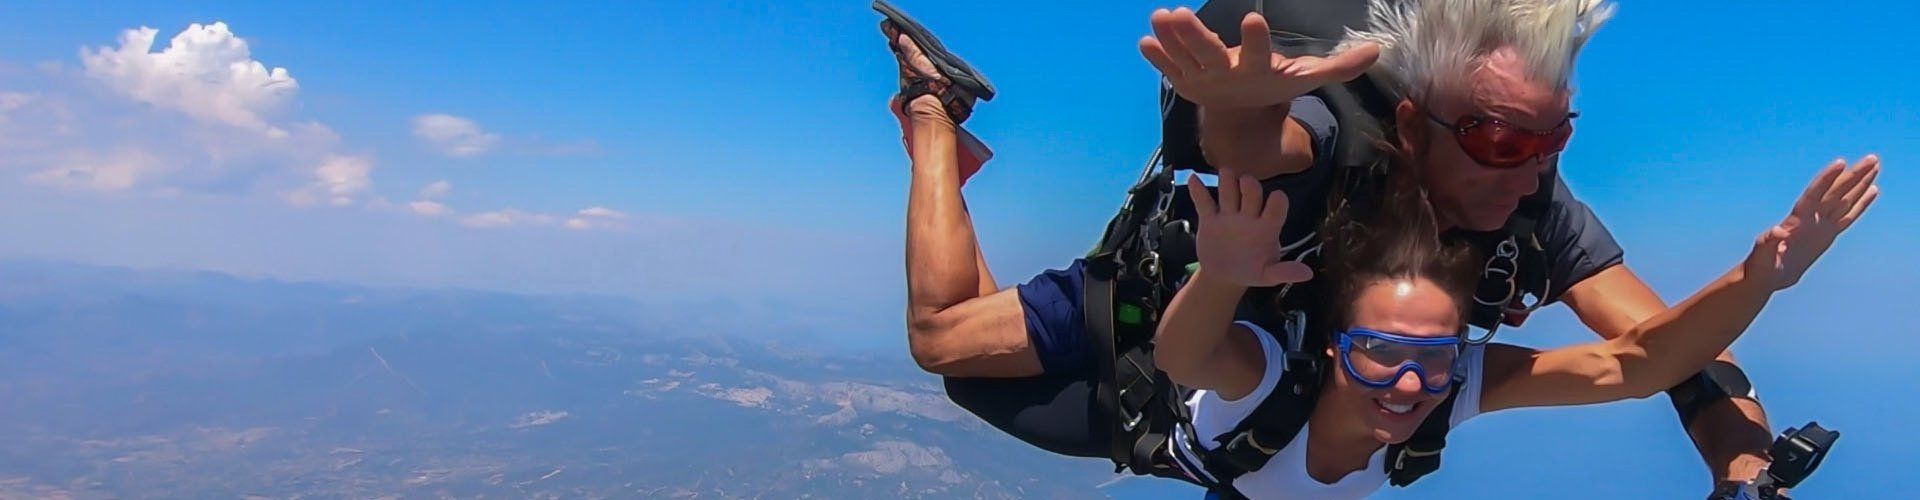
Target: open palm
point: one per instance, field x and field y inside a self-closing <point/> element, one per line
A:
<point x="1202" y="69"/>
<point x="1831" y="204"/>
<point x="1239" y="237"/>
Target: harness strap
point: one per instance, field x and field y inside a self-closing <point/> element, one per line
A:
<point x="1271" y="427"/>
<point x="1098" y="306"/>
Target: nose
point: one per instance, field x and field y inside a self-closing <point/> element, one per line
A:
<point x="1526" y="179"/>
<point x="1409" y="383"/>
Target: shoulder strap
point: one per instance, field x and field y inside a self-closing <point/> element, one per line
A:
<point x="1270" y="428"/>
<point x="1420" y="455"/>
<point x="1517" y="277"/>
<point x="1278" y="418"/>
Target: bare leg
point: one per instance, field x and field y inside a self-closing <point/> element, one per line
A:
<point x="958" y="322"/>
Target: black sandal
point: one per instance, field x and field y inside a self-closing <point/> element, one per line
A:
<point x="957" y="86"/>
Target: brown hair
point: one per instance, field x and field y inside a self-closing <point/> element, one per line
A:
<point x="1387" y="230"/>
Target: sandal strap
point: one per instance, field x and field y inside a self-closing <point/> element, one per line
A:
<point x="957" y="102"/>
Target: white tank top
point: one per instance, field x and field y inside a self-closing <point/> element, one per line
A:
<point x="1285" y="475"/>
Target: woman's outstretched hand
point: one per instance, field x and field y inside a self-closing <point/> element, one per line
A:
<point x="1239" y="237"/>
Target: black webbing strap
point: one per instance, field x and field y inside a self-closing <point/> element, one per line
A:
<point x="1271" y="427"/>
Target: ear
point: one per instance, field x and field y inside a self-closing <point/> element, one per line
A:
<point x="1408" y="126"/>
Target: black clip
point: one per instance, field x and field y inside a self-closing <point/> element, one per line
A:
<point x="1797" y="452"/>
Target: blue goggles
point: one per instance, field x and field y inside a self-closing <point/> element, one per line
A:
<point x="1378" y="359"/>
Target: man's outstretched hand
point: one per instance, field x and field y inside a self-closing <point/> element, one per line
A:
<point x="1836" y="199"/>
<point x="1202" y="69"/>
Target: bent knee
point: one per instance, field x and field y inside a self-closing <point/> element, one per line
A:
<point x="926" y="333"/>
<point x="981" y="337"/>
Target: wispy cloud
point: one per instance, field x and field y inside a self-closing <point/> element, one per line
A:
<point x="596" y="218"/>
<point x="506" y="218"/>
<point x="454" y="136"/>
<point x="338" y="181"/>
<point x="114" y="171"/>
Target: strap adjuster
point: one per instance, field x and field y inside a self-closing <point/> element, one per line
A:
<point x="1245" y="453"/>
<point x="1400" y="461"/>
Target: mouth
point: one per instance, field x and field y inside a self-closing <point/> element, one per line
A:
<point x="1396" y="409"/>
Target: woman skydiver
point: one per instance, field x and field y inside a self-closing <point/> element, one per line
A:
<point x="1400" y="295"/>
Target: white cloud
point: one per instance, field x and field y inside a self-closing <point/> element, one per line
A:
<point x="602" y="212"/>
<point x="117" y="172"/>
<point x="429" y="205"/>
<point x="435" y="191"/>
<point x="10" y="101"/>
<point x="428" y="208"/>
<point x="454" y="136"/>
<point x="506" y="218"/>
<point x="596" y="218"/>
<point x="337" y="181"/>
<point x="193" y="115"/>
<point x="205" y="72"/>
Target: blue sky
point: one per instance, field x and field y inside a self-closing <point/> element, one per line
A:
<point x="741" y="151"/>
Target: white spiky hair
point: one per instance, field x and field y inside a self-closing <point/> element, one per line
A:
<point x="1428" y="44"/>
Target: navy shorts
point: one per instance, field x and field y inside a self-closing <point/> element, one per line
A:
<point x="1056" y="326"/>
<point x="1055" y="411"/>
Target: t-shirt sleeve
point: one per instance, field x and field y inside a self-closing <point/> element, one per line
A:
<point x="1312" y="114"/>
<point x="1276" y="366"/>
<point x="1577" y="244"/>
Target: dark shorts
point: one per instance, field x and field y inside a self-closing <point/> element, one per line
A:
<point x="1056" y="324"/>
<point x="1056" y="410"/>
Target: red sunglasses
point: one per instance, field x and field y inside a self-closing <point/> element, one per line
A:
<point x="1502" y="145"/>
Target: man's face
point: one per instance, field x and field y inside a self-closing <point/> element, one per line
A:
<point x="1465" y="192"/>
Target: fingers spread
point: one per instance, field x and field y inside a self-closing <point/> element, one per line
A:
<point x="1250" y="199"/>
<point x="1859" y="208"/>
<point x="1202" y="200"/>
<point x="1256" y="49"/>
<point x="1156" y="55"/>
<point x="1840" y="184"/>
<point x="1229" y="191"/>
<point x="1275" y="213"/>
<point x="1207" y="50"/>
<point x="1166" y="28"/>
<point x="1816" y="190"/>
<point x="1869" y="169"/>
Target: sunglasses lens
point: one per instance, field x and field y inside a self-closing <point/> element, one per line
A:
<point x="1498" y="145"/>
